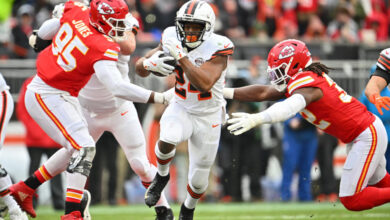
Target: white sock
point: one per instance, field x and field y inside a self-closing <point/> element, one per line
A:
<point x="163" y="160"/>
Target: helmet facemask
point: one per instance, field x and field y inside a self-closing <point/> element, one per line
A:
<point x="279" y="75"/>
<point x="118" y="28"/>
<point x="191" y="39"/>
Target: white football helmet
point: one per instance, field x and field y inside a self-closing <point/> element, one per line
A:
<point x="195" y="11"/>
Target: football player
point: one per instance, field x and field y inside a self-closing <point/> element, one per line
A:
<point x="198" y="108"/>
<point x="7" y="107"/>
<point x="82" y="44"/>
<point x="311" y="92"/>
<point x="378" y="81"/>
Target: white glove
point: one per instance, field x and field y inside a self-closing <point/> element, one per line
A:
<point x="168" y="95"/>
<point x="163" y="98"/>
<point x="156" y="63"/>
<point x="130" y="22"/>
<point x="242" y="122"/>
<point x="174" y="47"/>
<point x="58" y="11"/>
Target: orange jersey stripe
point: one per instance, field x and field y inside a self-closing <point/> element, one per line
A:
<point x="57" y="122"/>
<point x="384" y="64"/>
<point x="368" y="159"/>
<point x="189" y="11"/>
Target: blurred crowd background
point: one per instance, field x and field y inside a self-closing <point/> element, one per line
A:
<point x="289" y="161"/>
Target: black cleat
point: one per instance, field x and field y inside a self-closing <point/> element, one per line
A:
<point x="164" y="213"/>
<point x="186" y="213"/>
<point x="153" y="193"/>
<point x="85" y="202"/>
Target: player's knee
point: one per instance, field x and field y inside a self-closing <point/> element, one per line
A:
<point x="82" y="162"/>
<point x="350" y="202"/>
<point x="140" y="167"/>
<point x="199" y="179"/>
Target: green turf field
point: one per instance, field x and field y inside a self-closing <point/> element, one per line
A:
<point x="233" y="211"/>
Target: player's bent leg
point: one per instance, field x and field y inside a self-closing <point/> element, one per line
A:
<point x="368" y="198"/>
<point x="78" y="172"/>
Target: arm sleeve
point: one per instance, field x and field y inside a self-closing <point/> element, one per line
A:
<point x="382" y="73"/>
<point x="49" y="29"/>
<point x="108" y="74"/>
<point x="284" y="110"/>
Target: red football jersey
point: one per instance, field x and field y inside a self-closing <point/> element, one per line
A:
<point x="337" y="113"/>
<point x="67" y="64"/>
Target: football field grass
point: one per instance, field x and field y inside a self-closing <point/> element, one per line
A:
<point x="233" y="211"/>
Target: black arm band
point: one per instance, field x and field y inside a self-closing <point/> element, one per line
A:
<point x="41" y="44"/>
<point x="382" y="73"/>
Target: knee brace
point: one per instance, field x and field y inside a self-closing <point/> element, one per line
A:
<point x="200" y="179"/>
<point x="82" y="163"/>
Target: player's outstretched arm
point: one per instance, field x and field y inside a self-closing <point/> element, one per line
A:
<point x="108" y="73"/>
<point x="253" y="93"/>
<point x="278" y="112"/>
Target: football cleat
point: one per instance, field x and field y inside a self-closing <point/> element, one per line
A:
<point x="75" y="215"/>
<point x="164" y="213"/>
<point x="85" y="202"/>
<point x="24" y="197"/>
<point x="153" y="193"/>
<point x="186" y="213"/>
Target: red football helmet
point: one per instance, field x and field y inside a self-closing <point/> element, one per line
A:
<point x="108" y="16"/>
<point x="285" y="59"/>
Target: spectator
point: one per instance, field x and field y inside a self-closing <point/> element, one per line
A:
<point x="230" y="21"/>
<point x="151" y="18"/>
<point x="343" y="28"/>
<point x="316" y="31"/>
<point x="299" y="149"/>
<point x="23" y="29"/>
<point x="39" y="143"/>
<point x="377" y="23"/>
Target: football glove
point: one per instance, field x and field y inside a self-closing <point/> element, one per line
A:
<point x="242" y="122"/>
<point x="174" y="47"/>
<point x="131" y="22"/>
<point x="380" y="102"/>
<point x="156" y="63"/>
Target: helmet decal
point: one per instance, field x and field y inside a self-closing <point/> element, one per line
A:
<point x="287" y="51"/>
<point x="105" y="9"/>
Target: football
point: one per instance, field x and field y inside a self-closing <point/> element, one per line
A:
<point x="169" y="62"/>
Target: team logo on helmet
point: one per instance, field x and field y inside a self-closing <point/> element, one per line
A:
<point x="287" y="51"/>
<point x="105" y="9"/>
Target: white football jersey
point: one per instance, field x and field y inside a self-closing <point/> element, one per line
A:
<point x="186" y="94"/>
<point x="96" y="98"/>
<point x="3" y="84"/>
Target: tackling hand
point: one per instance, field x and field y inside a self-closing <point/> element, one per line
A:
<point x="380" y="102"/>
<point x="174" y="47"/>
<point x="131" y="22"/>
<point x="156" y="63"/>
<point x="242" y="122"/>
